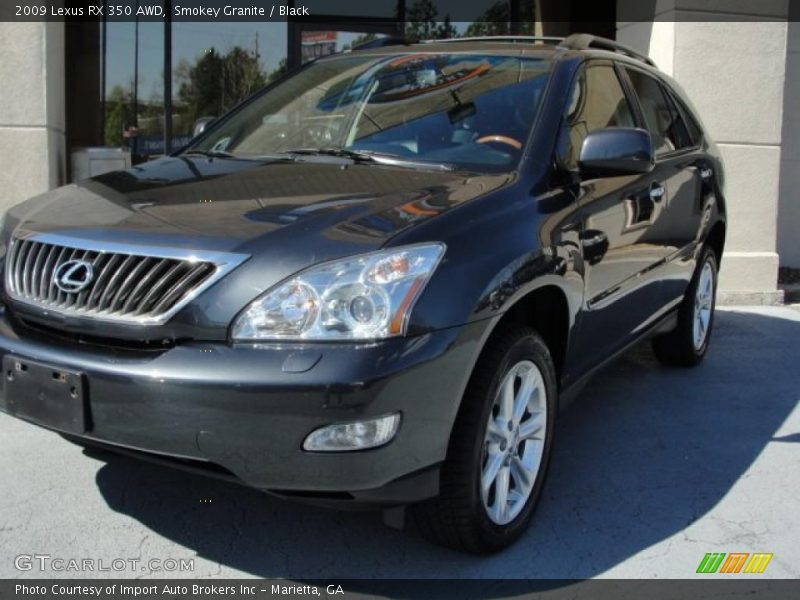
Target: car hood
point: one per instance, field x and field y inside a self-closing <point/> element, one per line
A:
<point x="281" y="215"/>
<point x="236" y="205"/>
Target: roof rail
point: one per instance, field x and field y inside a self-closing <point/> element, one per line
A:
<point x="584" y="41"/>
<point x="381" y="43"/>
<point x="514" y="39"/>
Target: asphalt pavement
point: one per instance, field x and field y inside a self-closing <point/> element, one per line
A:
<point x="653" y="468"/>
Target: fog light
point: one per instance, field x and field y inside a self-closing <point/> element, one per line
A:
<point x="358" y="435"/>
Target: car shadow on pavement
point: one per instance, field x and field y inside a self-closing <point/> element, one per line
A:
<point x="644" y="452"/>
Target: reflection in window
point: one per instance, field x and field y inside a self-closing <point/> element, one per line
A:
<point x="217" y="65"/>
<point x="597" y="101"/>
<point x="317" y="44"/>
<point x="134" y="85"/>
<point x="666" y="127"/>
<point x="454" y="108"/>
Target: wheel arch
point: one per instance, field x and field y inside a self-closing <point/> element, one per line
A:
<point x="716" y="239"/>
<point x="545" y="308"/>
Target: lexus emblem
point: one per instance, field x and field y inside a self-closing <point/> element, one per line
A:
<point x="73" y="276"/>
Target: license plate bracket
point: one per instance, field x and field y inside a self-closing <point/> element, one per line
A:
<point x="45" y="394"/>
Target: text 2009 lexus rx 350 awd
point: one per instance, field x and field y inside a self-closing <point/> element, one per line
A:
<point x="374" y="283"/>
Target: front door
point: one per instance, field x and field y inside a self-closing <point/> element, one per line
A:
<point x="620" y="253"/>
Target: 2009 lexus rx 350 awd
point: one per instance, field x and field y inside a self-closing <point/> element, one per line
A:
<point x="373" y="283"/>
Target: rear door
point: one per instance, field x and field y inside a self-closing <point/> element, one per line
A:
<point x="620" y="253"/>
<point x="680" y="166"/>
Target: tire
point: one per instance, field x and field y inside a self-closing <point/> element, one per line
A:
<point x="463" y="516"/>
<point x="683" y="346"/>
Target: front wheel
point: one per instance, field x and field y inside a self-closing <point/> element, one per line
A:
<point x="499" y="448"/>
<point x="687" y="344"/>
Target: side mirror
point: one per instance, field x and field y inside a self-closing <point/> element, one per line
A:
<point x="201" y="125"/>
<point x="616" y="151"/>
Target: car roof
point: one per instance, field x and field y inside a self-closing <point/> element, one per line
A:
<point x="573" y="46"/>
<point x="460" y="47"/>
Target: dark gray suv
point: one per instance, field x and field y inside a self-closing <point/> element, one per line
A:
<point x="374" y="283"/>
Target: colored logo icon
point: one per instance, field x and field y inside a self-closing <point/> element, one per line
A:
<point x="735" y="562"/>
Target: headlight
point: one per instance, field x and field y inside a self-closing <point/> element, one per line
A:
<point x="359" y="298"/>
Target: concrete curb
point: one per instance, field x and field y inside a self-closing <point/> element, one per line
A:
<point x="750" y="297"/>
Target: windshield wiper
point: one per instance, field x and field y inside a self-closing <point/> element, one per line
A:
<point x="223" y="154"/>
<point x="366" y="156"/>
<point x="210" y="153"/>
<point x="359" y="155"/>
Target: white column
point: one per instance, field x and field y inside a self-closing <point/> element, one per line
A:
<point x="789" y="206"/>
<point x="32" y="139"/>
<point x="734" y="73"/>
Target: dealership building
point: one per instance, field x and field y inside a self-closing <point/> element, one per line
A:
<point x="72" y="86"/>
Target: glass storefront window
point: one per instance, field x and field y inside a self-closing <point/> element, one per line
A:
<point x="134" y="86"/>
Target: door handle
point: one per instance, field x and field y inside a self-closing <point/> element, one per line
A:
<point x="657" y="192"/>
<point x="706" y="173"/>
<point x="594" y="244"/>
<point x="595" y="239"/>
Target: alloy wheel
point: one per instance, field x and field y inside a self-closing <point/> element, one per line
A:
<point x="514" y="442"/>
<point x="703" y="302"/>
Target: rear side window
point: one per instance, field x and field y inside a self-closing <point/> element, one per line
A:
<point x="597" y="101"/>
<point x="695" y="132"/>
<point x="666" y="126"/>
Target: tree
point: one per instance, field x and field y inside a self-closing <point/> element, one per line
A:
<point x="279" y="71"/>
<point x="497" y="20"/>
<point x="217" y="82"/>
<point x="446" y="30"/>
<point x="117" y="108"/>
<point x="201" y="90"/>
<point x="421" y="21"/>
<point x="493" y="22"/>
<point x="241" y="76"/>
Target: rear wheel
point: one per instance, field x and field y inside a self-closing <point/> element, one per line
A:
<point x="499" y="448"/>
<point x="687" y="344"/>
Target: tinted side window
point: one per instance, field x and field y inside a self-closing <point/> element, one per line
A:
<point x="695" y="133"/>
<point x="661" y="116"/>
<point x="597" y="101"/>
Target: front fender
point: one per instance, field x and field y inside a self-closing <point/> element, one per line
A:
<point x="500" y="248"/>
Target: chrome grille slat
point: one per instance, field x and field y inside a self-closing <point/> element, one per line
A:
<point x="131" y="302"/>
<point x="153" y="295"/>
<point x="11" y="274"/>
<point x="40" y="252"/>
<point x="23" y="252"/>
<point x="97" y="265"/>
<point x="52" y="291"/>
<point x="181" y="287"/>
<point x="119" y="274"/>
<point x="124" y="286"/>
<point x="128" y="284"/>
<point x="47" y="271"/>
<point x="100" y="285"/>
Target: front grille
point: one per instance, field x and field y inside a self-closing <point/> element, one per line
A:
<point x="123" y="287"/>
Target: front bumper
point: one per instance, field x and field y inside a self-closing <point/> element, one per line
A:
<point x="248" y="408"/>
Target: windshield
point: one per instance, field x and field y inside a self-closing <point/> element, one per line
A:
<point x="466" y="110"/>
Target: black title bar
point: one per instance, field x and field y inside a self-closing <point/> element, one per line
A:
<point x="336" y="11"/>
